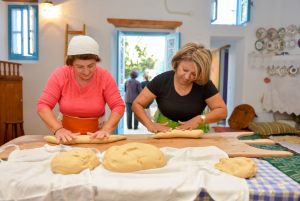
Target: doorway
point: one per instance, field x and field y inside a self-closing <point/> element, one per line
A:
<point x="231" y="74"/>
<point x="144" y="52"/>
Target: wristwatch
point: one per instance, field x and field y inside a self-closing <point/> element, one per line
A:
<point x="202" y="117"/>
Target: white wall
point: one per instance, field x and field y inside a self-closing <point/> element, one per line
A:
<point x="3" y="34"/>
<point x="196" y="27"/>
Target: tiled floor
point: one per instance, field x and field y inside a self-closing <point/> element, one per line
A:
<point x="141" y="128"/>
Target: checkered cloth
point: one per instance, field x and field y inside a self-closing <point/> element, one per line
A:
<point x="269" y="184"/>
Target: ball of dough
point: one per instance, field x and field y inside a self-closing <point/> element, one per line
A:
<point x="133" y="157"/>
<point x="239" y="166"/>
<point x="73" y="162"/>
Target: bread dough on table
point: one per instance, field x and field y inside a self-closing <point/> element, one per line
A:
<point x="179" y="134"/>
<point x="238" y="166"/>
<point x="74" y="161"/>
<point x="85" y="139"/>
<point x="133" y="157"/>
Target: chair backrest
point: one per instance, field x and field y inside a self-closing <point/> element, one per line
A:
<point x="241" y="116"/>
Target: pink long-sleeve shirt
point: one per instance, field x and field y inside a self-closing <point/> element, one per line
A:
<point x="87" y="101"/>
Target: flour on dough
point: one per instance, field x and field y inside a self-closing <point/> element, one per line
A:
<point x="179" y="134"/>
<point x="86" y="139"/>
<point x="133" y="157"/>
<point x="74" y="161"/>
<point x="238" y="166"/>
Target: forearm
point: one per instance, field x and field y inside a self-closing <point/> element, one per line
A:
<point x="214" y="115"/>
<point x="112" y="122"/>
<point x="139" y="111"/>
<point x="49" y="119"/>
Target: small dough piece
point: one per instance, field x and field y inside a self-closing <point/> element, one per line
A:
<point x="74" y="161"/>
<point x="238" y="166"/>
<point x="132" y="157"/>
<point x="85" y="139"/>
<point x="180" y="134"/>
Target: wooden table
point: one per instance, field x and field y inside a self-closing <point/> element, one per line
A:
<point x="227" y="141"/>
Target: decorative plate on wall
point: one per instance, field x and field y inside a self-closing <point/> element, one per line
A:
<point x="271" y="46"/>
<point x="291" y="30"/>
<point x="261" y="33"/>
<point x="280" y="44"/>
<point x="293" y="70"/>
<point x="272" y="34"/>
<point x="260" y="45"/>
<point x="291" y="43"/>
<point x="281" y="32"/>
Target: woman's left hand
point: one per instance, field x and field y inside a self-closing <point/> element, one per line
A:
<point x="188" y="125"/>
<point x="99" y="134"/>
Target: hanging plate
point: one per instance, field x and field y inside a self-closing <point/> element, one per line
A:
<point x="272" y="34"/>
<point x="271" y="46"/>
<point x="259" y="45"/>
<point x="291" y="43"/>
<point x="261" y="33"/>
<point x="291" y="30"/>
<point x="281" y="32"/>
<point x="279" y="44"/>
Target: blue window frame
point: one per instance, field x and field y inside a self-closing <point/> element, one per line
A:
<point x="23" y="32"/>
<point x="243" y="12"/>
<point x="230" y="12"/>
<point x="214" y="10"/>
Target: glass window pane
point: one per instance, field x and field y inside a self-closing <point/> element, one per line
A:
<point x="16" y="20"/>
<point x="32" y="40"/>
<point x="25" y="31"/>
<point x="16" y="43"/>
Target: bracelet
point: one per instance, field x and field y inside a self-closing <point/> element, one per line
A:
<point x="202" y="117"/>
<point x="57" y="130"/>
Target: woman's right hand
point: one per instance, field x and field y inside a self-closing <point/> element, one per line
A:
<point x="158" y="127"/>
<point x="65" y="136"/>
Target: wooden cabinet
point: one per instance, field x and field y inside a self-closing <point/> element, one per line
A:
<point x="11" y="102"/>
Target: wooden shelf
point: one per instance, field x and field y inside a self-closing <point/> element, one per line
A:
<point x="29" y="1"/>
<point x="153" y="24"/>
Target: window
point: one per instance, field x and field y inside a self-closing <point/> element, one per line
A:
<point x="230" y="12"/>
<point x="23" y="32"/>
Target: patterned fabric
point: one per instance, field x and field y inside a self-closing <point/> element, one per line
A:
<point x="268" y="184"/>
<point x="287" y="165"/>
<point x="271" y="184"/>
<point x="271" y="128"/>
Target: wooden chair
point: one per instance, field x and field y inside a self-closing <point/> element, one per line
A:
<point x="13" y="126"/>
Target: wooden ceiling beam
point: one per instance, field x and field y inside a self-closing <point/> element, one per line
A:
<point x="153" y="24"/>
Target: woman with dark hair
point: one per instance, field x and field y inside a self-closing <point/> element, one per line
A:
<point x="132" y="90"/>
<point x="182" y="93"/>
<point x="82" y="89"/>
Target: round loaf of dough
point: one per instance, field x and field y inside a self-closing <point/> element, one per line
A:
<point x="73" y="162"/>
<point x="239" y="166"/>
<point x="133" y="157"/>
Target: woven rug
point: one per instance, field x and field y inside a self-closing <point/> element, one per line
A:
<point x="288" y="165"/>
